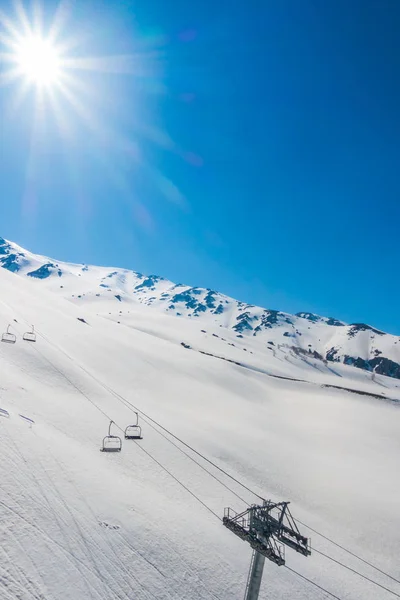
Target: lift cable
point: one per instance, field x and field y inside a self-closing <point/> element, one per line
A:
<point x="313" y="583"/>
<point x="144" y="415"/>
<point x="195" y="461"/>
<point x="180" y="482"/>
<point x="122" y="431"/>
<point x="126" y="402"/>
<point x="356" y="572"/>
<point x="349" y="551"/>
<point x="148" y="422"/>
<point x="254" y="493"/>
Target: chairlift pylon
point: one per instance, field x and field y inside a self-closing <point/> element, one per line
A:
<point x="111" y="443"/>
<point x="134" y="432"/>
<point x="30" y="336"/>
<point x="8" y="337"/>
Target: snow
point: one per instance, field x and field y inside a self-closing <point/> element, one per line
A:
<point x="76" y="523"/>
<point x="118" y="292"/>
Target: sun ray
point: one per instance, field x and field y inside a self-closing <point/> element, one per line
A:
<point x="37" y="18"/>
<point x="59" y="21"/>
<point x="80" y="109"/>
<point x="29" y="200"/>
<point x="133" y="64"/>
<point x="12" y="31"/>
<point x="22" y="17"/>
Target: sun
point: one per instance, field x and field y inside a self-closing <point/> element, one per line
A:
<point x="38" y="60"/>
<point x="32" y="53"/>
<point x="42" y="65"/>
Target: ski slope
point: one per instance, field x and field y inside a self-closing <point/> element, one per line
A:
<point x="79" y="524"/>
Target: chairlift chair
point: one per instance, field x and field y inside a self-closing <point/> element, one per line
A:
<point x="134" y="432"/>
<point x="8" y="337"/>
<point x="111" y="443"/>
<point x="30" y="336"/>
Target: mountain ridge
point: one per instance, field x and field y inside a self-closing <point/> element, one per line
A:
<point x="114" y="290"/>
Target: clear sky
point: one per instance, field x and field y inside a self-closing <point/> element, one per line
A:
<point x="250" y="147"/>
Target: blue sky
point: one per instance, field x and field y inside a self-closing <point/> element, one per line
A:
<point x="250" y="147"/>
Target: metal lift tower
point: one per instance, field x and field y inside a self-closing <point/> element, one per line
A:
<point x="268" y="529"/>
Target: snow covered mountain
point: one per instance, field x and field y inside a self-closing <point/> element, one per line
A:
<point x="144" y="523"/>
<point x="116" y="291"/>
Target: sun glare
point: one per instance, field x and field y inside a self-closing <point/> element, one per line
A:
<point x="67" y="93"/>
<point x="31" y="53"/>
<point x="38" y="60"/>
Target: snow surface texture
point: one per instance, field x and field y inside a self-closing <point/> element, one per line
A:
<point x="79" y="524"/>
<point x="119" y="290"/>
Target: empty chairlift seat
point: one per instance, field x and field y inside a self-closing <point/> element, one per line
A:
<point x="30" y="336"/>
<point x="134" y="432"/>
<point x="111" y="443"/>
<point x="9" y="337"/>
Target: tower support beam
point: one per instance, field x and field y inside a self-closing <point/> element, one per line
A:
<point x="268" y="528"/>
<point x="255" y="576"/>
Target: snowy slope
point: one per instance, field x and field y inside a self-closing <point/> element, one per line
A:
<point x="116" y="291"/>
<point x="79" y="524"/>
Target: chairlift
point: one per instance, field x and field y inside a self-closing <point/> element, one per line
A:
<point x="8" y="337"/>
<point x="134" y="432"/>
<point x="30" y="336"/>
<point x="111" y="443"/>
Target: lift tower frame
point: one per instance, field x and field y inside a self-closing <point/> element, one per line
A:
<point x="268" y="528"/>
